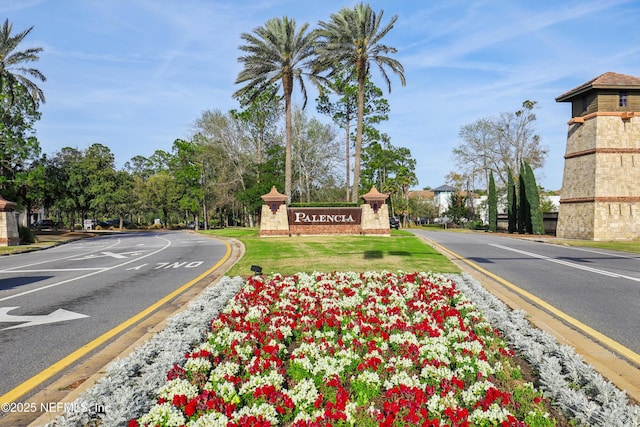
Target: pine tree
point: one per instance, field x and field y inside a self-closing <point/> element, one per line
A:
<point x="512" y="203"/>
<point x="493" y="204"/>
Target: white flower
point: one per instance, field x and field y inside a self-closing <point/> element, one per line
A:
<point x="164" y="415"/>
<point x="474" y="392"/>
<point x="350" y="410"/>
<point x="210" y="419"/>
<point x="305" y="416"/>
<point x="434" y="374"/>
<point x="224" y="369"/>
<point x="403" y="338"/>
<point x="369" y="378"/>
<point x="207" y="346"/>
<point x="404" y="378"/>
<point x="225" y="336"/>
<point x="271" y="377"/>
<point x="256" y="312"/>
<point x="474" y="347"/>
<point x="304" y="393"/>
<point x="494" y="414"/>
<point x="225" y="389"/>
<point x="304" y="363"/>
<point x="266" y="410"/>
<point x="486" y="369"/>
<point x="401" y="362"/>
<point x="197" y="364"/>
<point x="178" y="387"/>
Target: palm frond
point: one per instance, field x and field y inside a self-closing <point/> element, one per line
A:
<point x="12" y="73"/>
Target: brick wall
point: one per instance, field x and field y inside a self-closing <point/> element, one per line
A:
<point x="371" y="223"/>
<point x="298" y="230"/>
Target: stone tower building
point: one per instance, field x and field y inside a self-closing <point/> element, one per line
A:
<point x="600" y="197"/>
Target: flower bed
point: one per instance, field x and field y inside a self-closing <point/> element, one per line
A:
<point x="348" y="349"/>
<point x="129" y="387"/>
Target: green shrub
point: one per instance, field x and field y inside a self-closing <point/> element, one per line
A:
<point x="27" y="236"/>
<point x="324" y="205"/>
<point x="476" y="225"/>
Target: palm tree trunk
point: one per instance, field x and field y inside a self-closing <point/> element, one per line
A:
<point x="348" y="159"/>
<point x="288" y="88"/>
<point x="356" y="166"/>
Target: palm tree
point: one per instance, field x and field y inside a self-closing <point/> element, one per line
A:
<point x="277" y="53"/>
<point x="351" y="41"/>
<point x="13" y="73"/>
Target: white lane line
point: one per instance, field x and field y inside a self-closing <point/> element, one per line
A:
<point x="568" y="264"/>
<point x="613" y="254"/>
<point x="89" y="274"/>
<point x="53" y="270"/>
<point x="12" y="269"/>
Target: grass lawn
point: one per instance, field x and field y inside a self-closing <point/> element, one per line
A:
<point x="12" y="249"/>
<point x="614" y="245"/>
<point x="23" y="248"/>
<point x="290" y="255"/>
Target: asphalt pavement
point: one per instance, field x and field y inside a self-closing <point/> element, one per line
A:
<point x="587" y="298"/>
<point x="67" y="311"/>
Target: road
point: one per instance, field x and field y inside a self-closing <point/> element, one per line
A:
<point x="599" y="288"/>
<point x="61" y="300"/>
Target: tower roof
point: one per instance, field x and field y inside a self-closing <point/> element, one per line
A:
<point x="607" y="80"/>
<point x="444" y="189"/>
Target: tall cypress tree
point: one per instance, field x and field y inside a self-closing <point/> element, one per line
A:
<point x="512" y="203"/>
<point x="533" y="198"/>
<point x="524" y="212"/>
<point x="493" y="204"/>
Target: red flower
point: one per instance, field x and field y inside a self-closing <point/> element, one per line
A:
<point x="190" y="409"/>
<point x="179" y="400"/>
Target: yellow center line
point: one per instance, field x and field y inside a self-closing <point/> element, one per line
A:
<point x="614" y="345"/>
<point x="45" y="374"/>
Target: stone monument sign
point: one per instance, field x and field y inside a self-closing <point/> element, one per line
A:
<point x="371" y="218"/>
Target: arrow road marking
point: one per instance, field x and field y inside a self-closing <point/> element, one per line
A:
<point x="122" y="255"/>
<point x="60" y="315"/>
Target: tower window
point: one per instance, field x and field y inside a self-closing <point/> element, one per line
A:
<point x="585" y="103"/>
<point x="622" y="99"/>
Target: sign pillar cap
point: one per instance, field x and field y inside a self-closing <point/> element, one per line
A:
<point x="7" y="206"/>
<point x="375" y="196"/>
<point x="274" y="196"/>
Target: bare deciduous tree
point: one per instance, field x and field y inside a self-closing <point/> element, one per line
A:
<point x="498" y="144"/>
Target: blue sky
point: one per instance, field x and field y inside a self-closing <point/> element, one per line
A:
<point x="134" y="75"/>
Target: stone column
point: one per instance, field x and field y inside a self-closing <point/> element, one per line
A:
<point x="375" y="213"/>
<point x="8" y="226"/>
<point x="274" y="220"/>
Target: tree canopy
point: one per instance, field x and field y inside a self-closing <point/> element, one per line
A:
<point x="14" y="73"/>
<point x="497" y="144"/>
<point x="278" y="53"/>
<point x="351" y="41"/>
